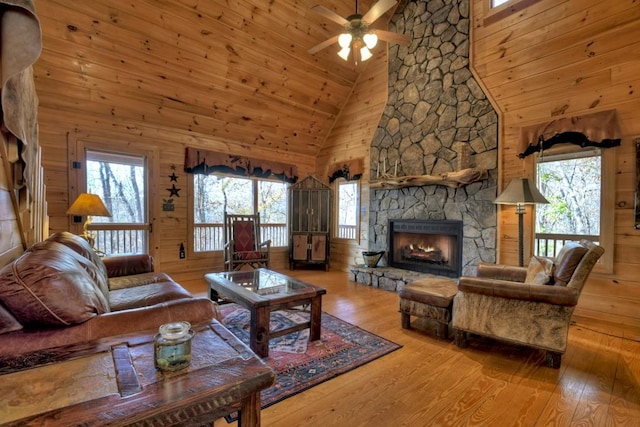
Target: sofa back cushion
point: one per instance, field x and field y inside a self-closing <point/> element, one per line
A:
<point x="566" y="262"/>
<point x="97" y="269"/>
<point x="50" y="285"/>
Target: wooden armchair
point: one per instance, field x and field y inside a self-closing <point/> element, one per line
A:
<point x="531" y="306"/>
<point x="241" y="247"/>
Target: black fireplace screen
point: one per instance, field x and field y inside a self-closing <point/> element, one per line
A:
<point x="426" y="246"/>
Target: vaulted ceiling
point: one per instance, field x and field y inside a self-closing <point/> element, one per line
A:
<point x="234" y="70"/>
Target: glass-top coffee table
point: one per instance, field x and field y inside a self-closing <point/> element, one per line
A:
<point x="262" y="291"/>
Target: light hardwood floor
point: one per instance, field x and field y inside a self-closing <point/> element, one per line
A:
<point x="431" y="382"/>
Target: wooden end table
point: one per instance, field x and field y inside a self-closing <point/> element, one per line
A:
<point x="115" y="383"/>
<point x="262" y="291"/>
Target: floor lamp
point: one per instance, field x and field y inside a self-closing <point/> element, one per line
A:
<point x="88" y="205"/>
<point x="520" y="192"/>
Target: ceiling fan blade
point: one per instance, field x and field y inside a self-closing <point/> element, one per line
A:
<point x="326" y="43"/>
<point x="330" y="14"/>
<point x="377" y="10"/>
<point x="392" y="37"/>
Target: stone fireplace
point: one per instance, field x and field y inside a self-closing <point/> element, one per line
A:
<point x="437" y="121"/>
<point x="425" y="246"/>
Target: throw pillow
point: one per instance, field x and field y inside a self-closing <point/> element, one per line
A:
<point x="540" y="271"/>
<point x="566" y="262"/>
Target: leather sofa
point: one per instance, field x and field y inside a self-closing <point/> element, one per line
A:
<point x="60" y="292"/>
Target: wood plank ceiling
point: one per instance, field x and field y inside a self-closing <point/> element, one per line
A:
<point x="234" y="70"/>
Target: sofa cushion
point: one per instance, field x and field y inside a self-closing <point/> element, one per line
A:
<point x="134" y="280"/>
<point x="51" y="286"/>
<point x="8" y="323"/>
<point x="95" y="267"/>
<point x="566" y="262"/>
<point x="540" y="271"/>
<point x="144" y="295"/>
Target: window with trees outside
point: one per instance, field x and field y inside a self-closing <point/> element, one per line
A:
<point x="572" y="183"/>
<point x="347" y="210"/>
<point x="213" y="195"/>
<point x="120" y="181"/>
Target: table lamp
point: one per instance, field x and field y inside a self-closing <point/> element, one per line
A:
<point x="88" y="205"/>
<point x="520" y="192"/>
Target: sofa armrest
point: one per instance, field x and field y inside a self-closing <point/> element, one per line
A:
<point x="127" y="265"/>
<point x="196" y="311"/>
<point x="193" y="310"/>
<point x="509" y="273"/>
<point x="558" y="295"/>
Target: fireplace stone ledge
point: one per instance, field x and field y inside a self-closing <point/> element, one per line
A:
<point x="387" y="278"/>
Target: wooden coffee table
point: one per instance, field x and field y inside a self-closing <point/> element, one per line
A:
<point x="114" y="383"/>
<point x="262" y="291"/>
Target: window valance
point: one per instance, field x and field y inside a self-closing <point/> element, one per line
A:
<point x="350" y="170"/>
<point x="206" y="162"/>
<point x="590" y="130"/>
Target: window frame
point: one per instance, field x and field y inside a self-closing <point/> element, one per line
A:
<point x="607" y="200"/>
<point x="336" y="219"/>
<point x="112" y="157"/>
<point x="494" y="14"/>
<point x="255" y="204"/>
<point x="80" y="144"/>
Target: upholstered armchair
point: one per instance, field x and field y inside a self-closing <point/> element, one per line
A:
<point x="242" y="247"/>
<point x="531" y="306"/>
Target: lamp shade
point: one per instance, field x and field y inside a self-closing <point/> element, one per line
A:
<point x="344" y="40"/>
<point x="520" y="191"/>
<point x="88" y="205"/>
<point x="370" y="39"/>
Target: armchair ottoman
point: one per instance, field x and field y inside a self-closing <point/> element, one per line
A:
<point x="428" y="298"/>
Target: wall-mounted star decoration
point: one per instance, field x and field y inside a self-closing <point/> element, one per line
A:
<point x="173" y="191"/>
<point x="173" y="177"/>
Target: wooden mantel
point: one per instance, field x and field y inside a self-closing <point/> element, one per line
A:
<point x="450" y="179"/>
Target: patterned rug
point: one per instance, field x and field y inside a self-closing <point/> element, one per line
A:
<point x="300" y="364"/>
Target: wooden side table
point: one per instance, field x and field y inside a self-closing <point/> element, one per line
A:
<point x="114" y="382"/>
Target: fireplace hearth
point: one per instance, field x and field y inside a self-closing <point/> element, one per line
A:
<point x="426" y="246"/>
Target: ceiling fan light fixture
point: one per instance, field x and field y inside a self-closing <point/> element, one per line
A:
<point x="344" y="53"/>
<point x="370" y="39"/>
<point x="344" y="40"/>
<point x="365" y="53"/>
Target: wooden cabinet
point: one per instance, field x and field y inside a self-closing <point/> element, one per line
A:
<point x="309" y="223"/>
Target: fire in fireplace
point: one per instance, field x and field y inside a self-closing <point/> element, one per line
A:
<point x="427" y="246"/>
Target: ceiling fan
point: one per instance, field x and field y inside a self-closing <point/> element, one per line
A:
<point x="358" y="34"/>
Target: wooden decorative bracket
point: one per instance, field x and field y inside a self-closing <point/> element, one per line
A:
<point x="450" y="179"/>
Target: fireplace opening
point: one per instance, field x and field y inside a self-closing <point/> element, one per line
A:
<point x="426" y="246"/>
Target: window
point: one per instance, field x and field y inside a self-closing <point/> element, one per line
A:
<point x="213" y="195"/>
<point x="347" y="210"/>
<point x="575" y="184"/>
<point x="496" y="10"/>
<point x="120" y="181"/>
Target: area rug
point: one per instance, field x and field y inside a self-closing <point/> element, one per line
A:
<point x="300" y="364"/>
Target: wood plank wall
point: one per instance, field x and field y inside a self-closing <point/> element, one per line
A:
<point x="350" y="139"/>
<point x="546" y="59"/>
<point x="213" y="75"/>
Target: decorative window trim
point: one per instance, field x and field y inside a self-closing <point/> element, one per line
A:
<point x="198" y="161"/>
<point x="351" y="170"/>
<point x="590" y="130"/>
